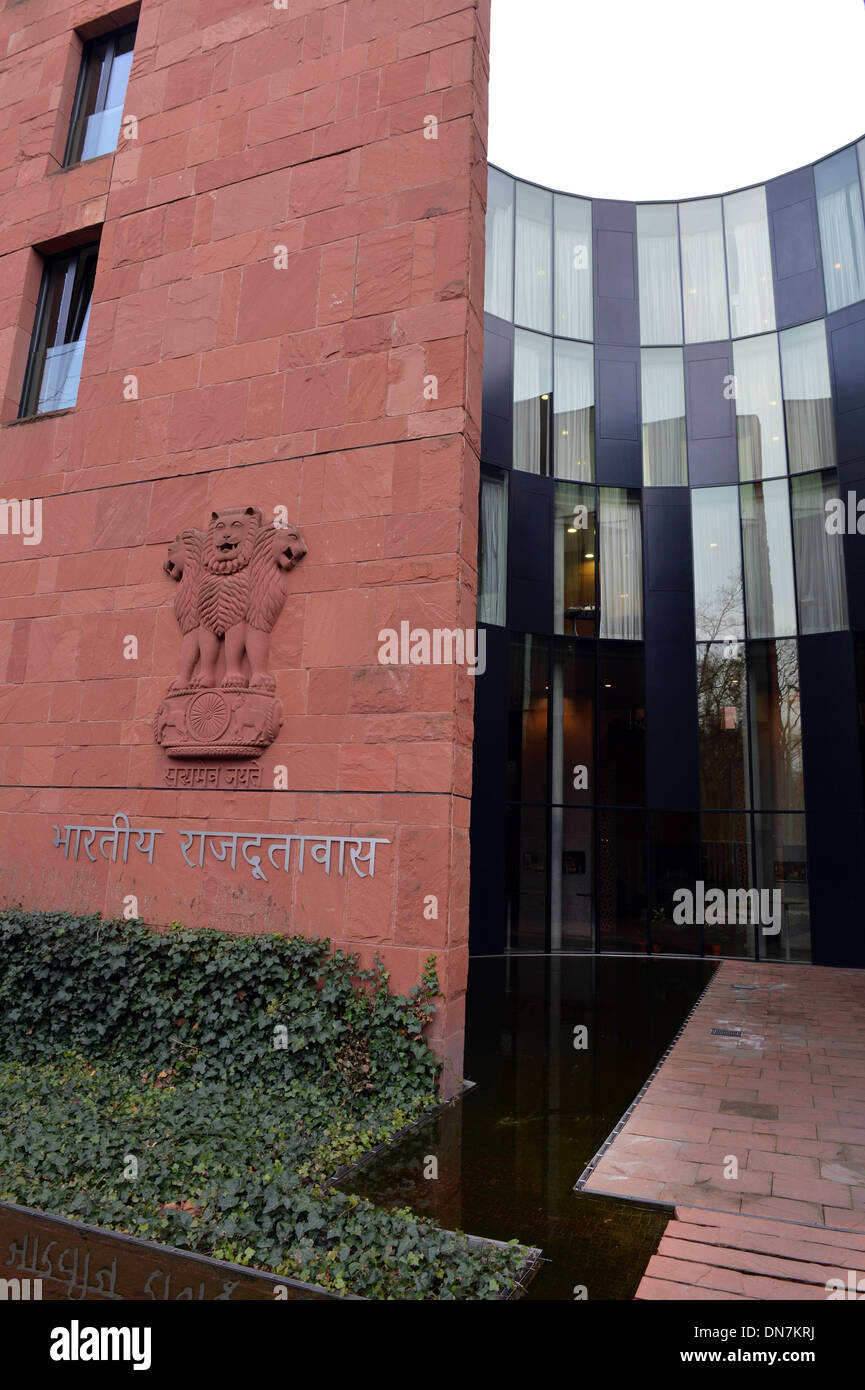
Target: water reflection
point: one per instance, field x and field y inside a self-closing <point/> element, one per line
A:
<point x="510" y="1152"/>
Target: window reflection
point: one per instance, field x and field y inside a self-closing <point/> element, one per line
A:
<point x="674" y="861"/>
<point x="665" y="449"/>
<point x="776" y="729"/>
<point x="573" y="908"/>
<point x="759" y="408"/>
<point x="492" y="548"/>
<point x="572" y="723"/>
<point x="782" y="866"/>
<point x="533" y="388"/>
<point x="526" y="928"/>
<point x="621" y="725"/>
<point x="574" y="411"/>
<point x="770" y="602"/>
<point x="722" y="707"/>
<point x="622" y="880"/>
<point x="807" y="397"/>
<point x="727" y="863"/>
<point x="575" y="545"/>
<point x="719" y="610"/>
<point x="527" y="719"/>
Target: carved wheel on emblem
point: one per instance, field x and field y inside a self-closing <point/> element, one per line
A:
<point x="208" y="716"/>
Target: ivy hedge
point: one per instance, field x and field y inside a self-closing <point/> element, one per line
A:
<point x="199" y="1089"/>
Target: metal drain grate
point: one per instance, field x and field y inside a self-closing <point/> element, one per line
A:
<point x="726" y="1032"/>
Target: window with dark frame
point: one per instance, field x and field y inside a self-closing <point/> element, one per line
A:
<point x="59" y="332"/>
<point x="99" y="97"/>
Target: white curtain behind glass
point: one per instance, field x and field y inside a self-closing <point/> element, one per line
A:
<point x="573" y="242"/>
<point x="532" y="379"/>
<point x="807" y="397"/>
<point x="749" y="262"/>
<point x="665" y="459"/>
<point x="660" y="283"/>
<point x="500" y="245"/>
<point x="620" y="545"/>
<point x="704" y="281"/>
<point x="533" y="288"/>
<point x="819" y="556"/>
<point x="492" y="550"/>
<point x="842" y="232"/>
<point x="759" y="408"/>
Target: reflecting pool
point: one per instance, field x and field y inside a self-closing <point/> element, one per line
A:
<point x="507" y="1155"/>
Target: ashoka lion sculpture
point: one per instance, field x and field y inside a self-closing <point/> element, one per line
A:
<point x="232" y="587"/>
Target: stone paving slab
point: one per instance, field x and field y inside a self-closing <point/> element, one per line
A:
<point x="782" y="1107"/>
<point x="724" y="1255"/>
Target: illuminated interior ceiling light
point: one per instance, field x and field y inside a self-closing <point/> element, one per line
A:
<point x="713" y="545"/>
<point x="590" y="554"/>
<point x="572" y="530"/>
<point x="837" y="265"/>
<point x="564" y="432"/>
<point x="545" y="397"/>
<point x="773" y="402"/>
<point x="624" y="595"/>
<point x="608" y="685"/>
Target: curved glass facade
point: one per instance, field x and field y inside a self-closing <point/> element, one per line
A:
<point x="670" y="571"/>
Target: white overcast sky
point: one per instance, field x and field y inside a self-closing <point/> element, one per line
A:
<point x="643" y="99"/>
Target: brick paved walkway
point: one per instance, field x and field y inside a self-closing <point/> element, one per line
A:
<point x="719" y="1255"/>
<point x="786" y="1100"/>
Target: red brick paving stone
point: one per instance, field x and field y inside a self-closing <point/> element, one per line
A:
<point x="778" y="1097"/>
<point x="850" y="1220"/>
<point x="666" y="1290"/>
<point x="724" y="1201"/>
<point x="783" y="1209"/>
<point x="714" y="1254"/>
<point x="792" y="1165"/>
<point x="811" y="1190"/>
<point x="748" y="1261"/>
<point x="697" y="1216"/>
<point x="790" y="1246"/>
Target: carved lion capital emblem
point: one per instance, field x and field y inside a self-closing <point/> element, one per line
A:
<point x="232" y="584"/>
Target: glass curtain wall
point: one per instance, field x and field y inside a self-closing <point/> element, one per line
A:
<point x="842" y="230"/>
<point x="807" y="397"/>
<point x="660" y="277"/>
<point x="704" y="279"/>
<point x="665" y="447"/>
<point x="749" y="262"/>
<point x="573" y="276"/>
<point x="574" y="411"/>
<point x="533" y="255"/>
<point x="493" y="548"/>
<point x="499" y="273"/>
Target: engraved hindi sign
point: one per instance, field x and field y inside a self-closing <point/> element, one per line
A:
<point x="50" y="1257"/>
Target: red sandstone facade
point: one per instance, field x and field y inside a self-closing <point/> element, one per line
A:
<point x="304" y="128"/>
